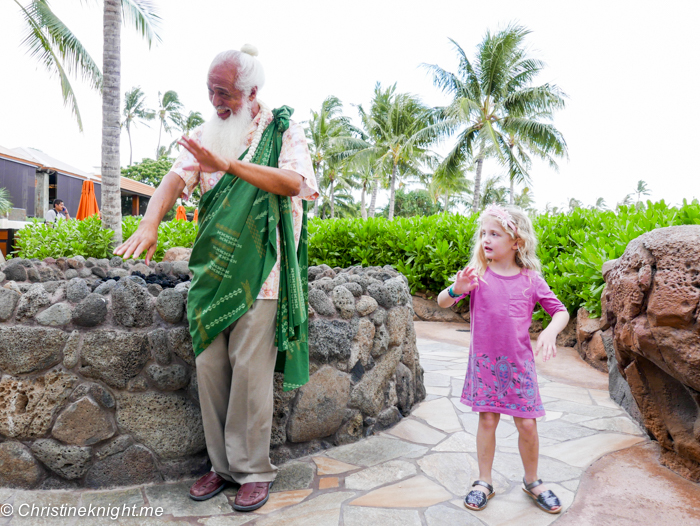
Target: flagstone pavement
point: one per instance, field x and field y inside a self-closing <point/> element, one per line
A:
<point x="418" y="472"/>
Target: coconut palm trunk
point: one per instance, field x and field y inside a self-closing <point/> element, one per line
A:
<point x="111" y="198"/>
<point x="160" y="130"/>
<point x="477" y="181"/>
<point x="332" y="199"/>
<point x="447" y="197"/>
<point x="131" y="148"/>
<point x="511" y="199"/>
<point x="392" y="192"/>
<point x="317" y="173"/>
<point x="363" y="209"/>
<point x="373" y="201"/>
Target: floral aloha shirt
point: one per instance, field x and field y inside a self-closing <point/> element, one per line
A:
<point x="293" y="156"/>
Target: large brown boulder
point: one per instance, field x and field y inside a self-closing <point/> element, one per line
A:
<point x="589" y="340"/>
<point x="652" y="303"/>
<point x="426" y="310"/>
<point x="177" y="254"/>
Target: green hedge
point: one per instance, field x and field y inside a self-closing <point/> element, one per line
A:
<point x="88" y="239"/>
<point x="427" y="250"/>
<point x="430" y="250"/>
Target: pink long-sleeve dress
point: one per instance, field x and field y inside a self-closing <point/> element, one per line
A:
<point x="501" y="375"/>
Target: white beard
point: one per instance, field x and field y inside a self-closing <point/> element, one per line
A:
<point x="227" y="138"/>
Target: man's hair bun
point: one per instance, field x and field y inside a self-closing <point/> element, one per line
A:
<point x="249" y="49"/>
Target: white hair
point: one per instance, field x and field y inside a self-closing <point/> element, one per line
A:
<point x="249" y="69"/>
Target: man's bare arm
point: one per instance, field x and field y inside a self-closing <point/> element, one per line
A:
<point x="145" y="239"/>
<point x="274" y="180"/>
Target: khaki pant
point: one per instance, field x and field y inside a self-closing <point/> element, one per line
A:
<point x="236" y="386"/>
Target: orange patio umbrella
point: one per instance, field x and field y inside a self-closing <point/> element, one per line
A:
<point x="196" y="215"/>
<point x="181" y="214"/>
<point x="88" y="202"/>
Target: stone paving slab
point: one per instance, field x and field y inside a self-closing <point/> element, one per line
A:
<point x="329" y="466"/>
<point x="582" y="451"/>
<point x="169" y="497"/>
<point x="416" y="492"/>
<point x="415" y="431"/>
<point x="370" y="478"/>
<point x="418" y="472"/>
<point x="283" y="499"/>
<point x="373" y="451"/>
<point x="356" y="516"/>
<point x="439" y="413"/>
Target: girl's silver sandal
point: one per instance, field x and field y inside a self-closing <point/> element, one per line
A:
<point x="546" y="500"/>
<point x="477" y="500"/>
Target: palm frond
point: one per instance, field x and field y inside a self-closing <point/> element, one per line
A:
<point x="142" y="14"/>
<point x="47" y="35"/>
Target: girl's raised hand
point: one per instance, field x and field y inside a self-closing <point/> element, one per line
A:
<point x="466" y="281"/>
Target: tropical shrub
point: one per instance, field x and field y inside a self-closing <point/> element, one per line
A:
<point x="430" y="250"/>
<point x="88" y="239"/>
<point x="427" y="250"/>
<point x="64" y="238"/>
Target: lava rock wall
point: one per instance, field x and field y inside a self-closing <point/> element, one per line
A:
<point x="97" y="374"/>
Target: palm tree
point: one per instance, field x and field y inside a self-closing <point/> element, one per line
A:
<point x="494" y="193"/>
<point x="59" y="50"/>
<point x="495" y="109"/>
<point x="525" y="200"/>
<point x="600" y="204"/>
<point x="549" y="209"/>
<point x="344" y="204"/>
<point x="365" y="177"/>
<point x="135" y="110"/>
<point x="338" y="175"/>
<point x="400" y="128"/>
<point x="190" y="121"/>
<point x="168" y="114"/>
<point x="544" y="141"/>
<point x="641" y="190"/>
<point x="449" y="181"/>
<point x="5" y="202"/>
<point x="330" y="134"/>
<point x="186" y="123"/>
<point x="141" y="14"/>
<point x="574" y="204"/>
<point x="626" y="201"/>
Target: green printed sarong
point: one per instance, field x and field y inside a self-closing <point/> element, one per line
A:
<point x="235" y="250"/>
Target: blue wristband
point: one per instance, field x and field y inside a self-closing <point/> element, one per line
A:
<point x="452" y="293"/>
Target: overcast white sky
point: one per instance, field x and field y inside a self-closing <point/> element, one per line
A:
<point x="630" y="69"/>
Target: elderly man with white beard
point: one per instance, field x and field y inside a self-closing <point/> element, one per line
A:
<point x="247" y="304"/>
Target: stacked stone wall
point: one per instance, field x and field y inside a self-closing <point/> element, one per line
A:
<point x="98" y="383"/>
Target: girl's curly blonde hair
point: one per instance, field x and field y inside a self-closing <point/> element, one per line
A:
<point x="518" y="226"/>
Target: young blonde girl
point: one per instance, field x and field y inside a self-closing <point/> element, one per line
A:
<point x="504" y="283"/>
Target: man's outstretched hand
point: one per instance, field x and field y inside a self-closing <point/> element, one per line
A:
<point x="145" y="239"/>
<point x="207" y="161"/>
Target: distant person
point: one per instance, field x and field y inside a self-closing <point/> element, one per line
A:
<point x="59" y="211"/>
<point x="504" y="283"/>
